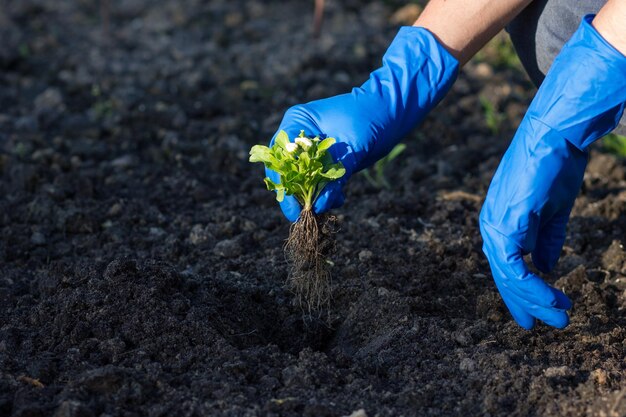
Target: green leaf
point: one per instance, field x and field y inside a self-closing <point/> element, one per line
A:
<point x="260" y="153"/>
<point x="320" y="188"/>
<point x="294" y="177"/>
<point x="375" y="175"/>
<point x="316" y="165"/>
<point x="271" y="185"/>
<point x="370" y="179"/>
<point x="395" y="152"/>
<point x="282" y="139"/>
<point x="275" y="165"/>
<point x="326" y="159"/>
<point x="305" y="158"/>
<point x="336" y="171"/>
<point x="615" y="144"/>
<point x="280" y="195"/>
<point x="325" y="144"/>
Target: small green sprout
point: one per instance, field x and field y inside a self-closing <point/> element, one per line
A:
<point x="615" y="144"/>
<point x="305" y="166"/>
<point x="493" y="118"/>
<point x="376" y="174"/>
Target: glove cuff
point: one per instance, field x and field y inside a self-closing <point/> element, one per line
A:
<point x="416" y="74"/>
<point x="584" y="92"/>
<point x="416" y="54"/>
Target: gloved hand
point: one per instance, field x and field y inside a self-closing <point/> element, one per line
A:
<point x="533" y="190"/>
<point x="417" y="72"/>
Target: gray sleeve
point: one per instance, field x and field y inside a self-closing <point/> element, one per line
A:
<point x="539" y="32"/>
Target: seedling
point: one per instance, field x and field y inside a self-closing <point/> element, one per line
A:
<point x="493" y="119"/>
<point x="305" y="166"/>
<point x="376" y="174"/>
<point x="615" y="144"/>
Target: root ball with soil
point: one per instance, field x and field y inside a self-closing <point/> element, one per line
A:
<point x="310" y="243"/>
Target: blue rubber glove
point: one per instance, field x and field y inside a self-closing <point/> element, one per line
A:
<point x="532" y="193"/>
<point x="368" y="122"/>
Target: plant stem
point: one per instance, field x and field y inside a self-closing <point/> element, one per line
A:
<point x="308" y="198"/>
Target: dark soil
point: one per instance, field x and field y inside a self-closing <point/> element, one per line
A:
<point x="141" y="263"/>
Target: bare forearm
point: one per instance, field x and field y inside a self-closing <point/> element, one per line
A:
<point x="465" y="26"/>
<point x="610" y="22"/>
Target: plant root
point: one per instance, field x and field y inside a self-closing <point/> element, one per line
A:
<point x="311" y="241"/>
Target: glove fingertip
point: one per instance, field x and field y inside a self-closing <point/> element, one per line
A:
<point x="339" y="199"/>
<point x="535" y="290"/>
<point x="330" y="198"/>
<point x="520" y="316"/>
<point x="559" y="319"/>
<point x="524" y="319"/>
<point x="562" y="301"/>
<point x="290" y="208"/>
<point x="529" y="325"/>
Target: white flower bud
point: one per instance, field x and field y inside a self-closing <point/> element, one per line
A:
<point x="304" y="142"/>
<point x="291" y="147"/>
